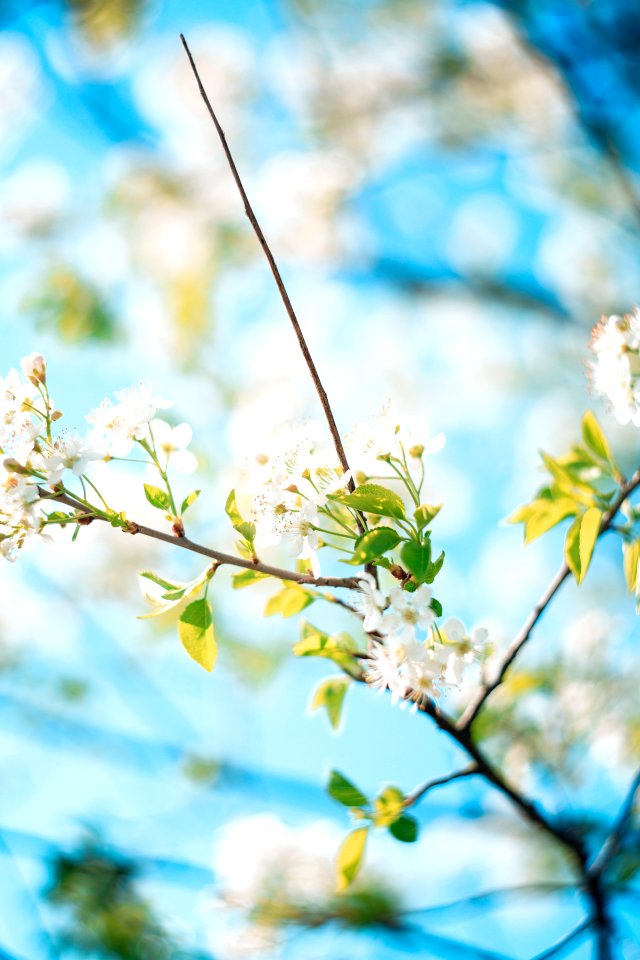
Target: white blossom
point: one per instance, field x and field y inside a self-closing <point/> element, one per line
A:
<point x="615" y="372"/>
<point x="118" y="426"/>
<point x="67" y="453"/>
<point x="408" y="611"/>
<point x="390" y="433"/>
<point x="370" y="602"/>
<point x="170" y="446"/>
<point x="20" y="516"/>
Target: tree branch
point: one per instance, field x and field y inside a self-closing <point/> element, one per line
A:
<point x="420" y="792"/>
<point x="348" y="583"/>
<point x="476" y="704"/>
<point x="248" y="209"/>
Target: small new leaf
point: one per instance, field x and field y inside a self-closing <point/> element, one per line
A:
<point x="330" y="694"/>
<point x="425" y="513"/>
<point x="349" y="858"/>
<point x="596" y="441"/>
<point x="388" y="806"/>
<point x="157" y="498"/>
<point x="195" y="629"/>
<point x="246" y="529"/>
<point x="189" y="500"/>
<point x="344" y="791"/>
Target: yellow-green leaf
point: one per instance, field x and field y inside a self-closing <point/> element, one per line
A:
<point x="247" y="578"/>
<point x="388" y="806"/>
<point x="349" y="857"/>
<point x="330" y="694"/>
<point x="580" y="541"/>
<point x="290" y="600"/>
<point x="631" y="555"/>
<point x="544" y="514"/>
<point x="595" y="439"/>
<point x="340" y="647"/>
<point x="195" y="629"/>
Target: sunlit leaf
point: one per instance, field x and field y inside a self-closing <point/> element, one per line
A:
<point x="349" y="857"/>
<point x="330" y="694"/>
<point x="195" y="629"/>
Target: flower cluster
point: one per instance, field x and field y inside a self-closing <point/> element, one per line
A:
<point x="615" y="372"/>
<point x="402" y="660"/>
<point x="293" y="481"/>
<point x="290" y="482"/>
<point x="38" y="465"/>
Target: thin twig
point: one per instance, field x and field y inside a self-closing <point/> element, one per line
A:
<point x="248" y="209"/>
<point x="348" y="583"/>
<point x="612" y="843"/>
<point x="417" y="794"/>
<point x="564" y="942"/>
<point x="485" y="898"/>
<point x="476" y="704"/>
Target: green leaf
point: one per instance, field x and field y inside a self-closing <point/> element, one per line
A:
<point x="436" y="606"/>
<point x="330" y="694"/>
<point x="349" y="857"/>
<point x="405" y="829"/>
<point x="631" y="555"/>
<point x="425" y="513"/>
<point x="434" y="569"/>
<point x="344" y="791"/>
<point x="416" y="557"/>
<point x="373" y="544"/>
<point x="339" y="647"/>
<point x="195" y="629"/>
<point x="580" y="541"/>
<point x="247" y="578"/>
<point x="157" y="498"/>
<point x="372" y="498"/>
<point x="243" y="527"/>
<point x="596" y="441"/>
<point x="388" y="806"/>
<point x="290" y="600"/>
<point x="189" y="500"/>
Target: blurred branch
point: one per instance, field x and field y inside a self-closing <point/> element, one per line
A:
<point x="597" y="133"/>
<point x="564" y="942"/>
<point x="501" y="893"/>
<point x="484" y="692"/>
<point x="415" y="280"/>
<point x="324" y="400"/>
<point x="613" y="841"/>
<point x="420" y="792"/>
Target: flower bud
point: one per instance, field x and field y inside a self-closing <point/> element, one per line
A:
<point x="34" y="368"/>
<point x="12" y="466"/>
<point x="416" y="451"/>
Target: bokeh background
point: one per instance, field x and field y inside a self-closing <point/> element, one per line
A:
<point x="451" y="191"/>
